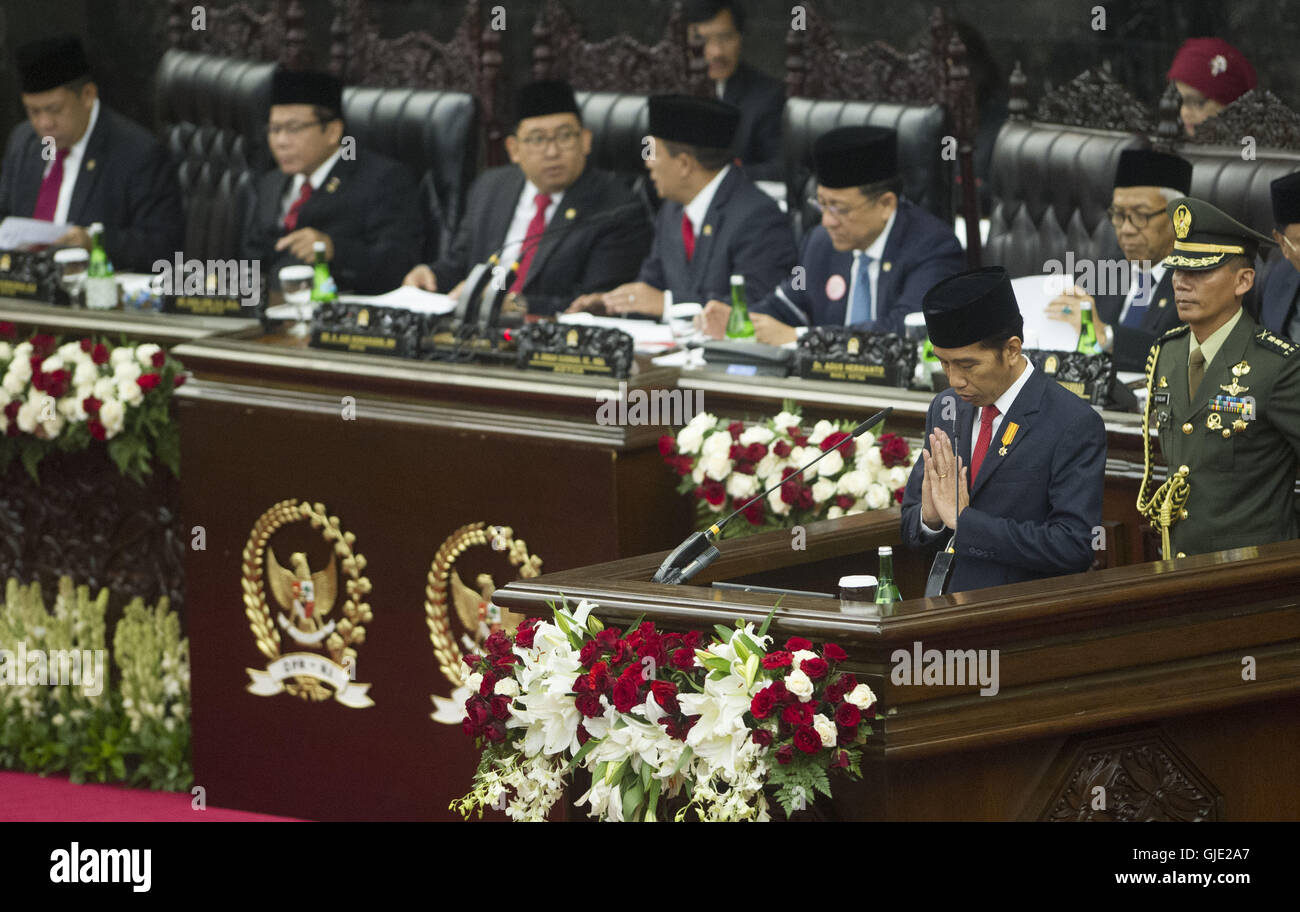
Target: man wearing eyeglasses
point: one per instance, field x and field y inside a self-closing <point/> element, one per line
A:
<point x="1279" y="284"/>
<point x="870" y="261"/>
<point x="75" y="161"/>
<point x="1130" y="318"/>
<point x="546" y="212"/>
<point x="360" y="204"/>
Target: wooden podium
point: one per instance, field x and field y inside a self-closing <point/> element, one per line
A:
<point x="1158" y="691"/>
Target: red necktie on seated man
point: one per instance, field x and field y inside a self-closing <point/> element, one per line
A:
<point x="533" y="237"/>
<point x="291" y="218"/>
<point x="982" y="443"/>
<point x="47" y="201"/>
<point x="688" y="236"/>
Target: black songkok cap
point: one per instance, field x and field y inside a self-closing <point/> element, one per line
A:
<point x="1144" y="168"/>
<point x="855" y="157"/>
<point x="307" y="87"/>
<point x="1286" y="200"/>
<point x="703" y="122"/>
<point x="51" y="62"/>
<point x="546" y="96"/>
<point x="971" y="306"/>
<point x="1205" y="236"/>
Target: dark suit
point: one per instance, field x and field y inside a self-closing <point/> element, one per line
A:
<point x="126" y="181"/>
<point x="1032" y="512"/>
<point x="1277" y="287"/>
<point x="744" y="232"/>
<point x="367" y="205"/>
<point x="1133" y="343"/>
<point x="761" y="100"/>
<point x="579" y="252"/>
<point x="921" y="251"/>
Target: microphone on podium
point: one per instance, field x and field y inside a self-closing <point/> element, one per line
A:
<point x="698" y="551"/>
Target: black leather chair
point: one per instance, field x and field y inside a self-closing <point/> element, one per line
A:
<point x="927" y="177"/>
<point x="619" y="125"/>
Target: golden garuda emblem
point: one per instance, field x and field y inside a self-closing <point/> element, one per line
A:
<point x="447" y="594"/>
<point x="1182" y="222"/>
<point x="323" y="662"/>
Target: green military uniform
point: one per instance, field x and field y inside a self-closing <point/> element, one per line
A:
<point x="1238" y="434"/>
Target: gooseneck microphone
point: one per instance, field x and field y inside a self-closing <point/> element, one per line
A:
<point x="698" y="551"/>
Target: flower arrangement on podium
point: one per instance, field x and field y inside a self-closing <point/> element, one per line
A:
<point x="66" y="397"/>
<point x="723" y="465"/>
<point x="663" y="725"/>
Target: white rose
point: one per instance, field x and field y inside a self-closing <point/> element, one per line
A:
<point x="14" y="384"/>
<point x="861" y="696"/>
<point x="800" y="654"/>
<point x="800" y="685"/>
<point x="51" y="364"/>
<point x="870" y="460"/>
<point x="127" y="370"/>
<point x="853" y="483"/>
<point x="801" y="456"/>
<point x="474" y="682"/>
<point x="826" y="728"/>
<point x="717" y="467"/>
<point x="70" y="350"/>
<point x="834" y="513"/>
<point x="776" y="504"/>
<point x="689" y="439"/>
<point x="70" y="408"/>
<point x="866" y="440"/>
<point x="786" y="420"/>
<point x="820" y="431"/>
<point x="6" y="351"/>
<point x="53" y="423"/>
<point x="823" y="490"/>
<point x="768" y="466"/>
<point x="877" y="497"/>
<point x="716" y="444"/>
<point x="120" y="355"/>
<point x="86" y="374"/>
<point x="21" y="367"/>
<point x="697" y="473"/>
<point x="129" y="392"/>
<point x="144" y="353"/>
<point x="104" y="388"/>
<point x="897" y="477"/>
<point x="507" y="687"/>
<point x="29" y="413"/>
<point x="112" y="414"/>
<point x="22" y="351"/>
<point x="704" y="421"/>
<point x="742" y="486"/>
<point x="833" y="464"/>
<point x="756" y="434"/>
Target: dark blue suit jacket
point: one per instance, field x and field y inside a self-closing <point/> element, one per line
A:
<point x="1277" y="286"/>
<point x="1133" y="343"/>
<point x="1032" y="512"/>
<point x="761" y="100"/>
<point x="921" y="251"/>
<point x="744" y="232"/>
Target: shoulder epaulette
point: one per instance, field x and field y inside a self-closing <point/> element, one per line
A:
<point x="1284" y="347"/>
<point x="1173" y="333"/>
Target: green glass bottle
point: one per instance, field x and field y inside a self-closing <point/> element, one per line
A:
<point x="886" y="588"/>
<point x="101" y="287"/>
<point x="1087" y="330"/>
<point x="322" y="283"/>
<point x="739" y="326"/>
<point x="99" y="266"/>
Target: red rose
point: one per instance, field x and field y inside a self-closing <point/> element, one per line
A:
<point x="684" y="658"/>
<point x="898" y="494"/>
<point x="844" y="502"/>
<point x="761" y="736"/>
<point x="712" y="491"/>
<point x="736" y="453"/>
<point x="86" y="345"/>
<point x="779" y="691"/>
<point x="790" y="491"/>
<point x="501" y="706"/>
<point x="691" y="639"/>
<point x="839" y="759"/>
<point x="526" y="632"/>
<point x="159" y="358"/>
<point x="814" y="668"/>
<point x="846" y="735"/>
<point x="148" y="381"/>
<point x="735" y="429"/>
<point x="91" y="405"/>
<point x="470" y="660"/>
<point x="807" y="740"/>
<point x="847" y="715"/>
<point x="798" y="713"/>
<point x="805" y="501"/>
<point x="619" y="653"/>
<point x="495" y="731"/>
<point x="588" y="653"/>
<point x="97" y="429"/>
<point x="504" y="661"/>
<point x="667" y="445"/>
<point x="488" y="684"/>
<point x="834" y="653"/>
<point x="8" y="330"/>
<point x="782" y="449"/>
<point x="11" y="410"/>
<point x="44" y="344"/>
<point x="607" y="638"/>
<point x="778" y="660"/>
<point x="794" y="644"/>
<point x="744" y="468"/>
<point x="755" y="452"/>
<point x="894" y="450"/>
<point x="832" y="439"/>
<point x="99" y="354"/>
<point x="589" y="705"/>
<point x="599" y="677"/>
<point x="179" y="380"/>
<point x="784" y="754"/>
<point x="583" y="735"/>
<point x="477" y="710"/>
<point x="497" y="643"/>
<point x="754" y="512"/>
<point x="762" y="703"/>
<point x="468" y="727"/>
<point x="625" y="694"/>
<point x="665" y="694"/>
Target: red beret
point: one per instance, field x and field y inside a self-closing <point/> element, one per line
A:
<point x="1214" y="68"/>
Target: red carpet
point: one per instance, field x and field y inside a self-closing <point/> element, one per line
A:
<point x="26" y="798"/>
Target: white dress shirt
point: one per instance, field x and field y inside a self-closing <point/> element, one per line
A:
<point x="876" y="251"/>
<point x="698" y="207"/>
<point x="71" y="168"/>
<point x="525" y="209"/>
<point x="1157" y="273"/>
<point x="317" y="178"/>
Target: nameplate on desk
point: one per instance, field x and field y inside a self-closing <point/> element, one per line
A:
<point x="205" y="305"/>
<point x="357" y="327"/>
<point x="854" y="356"/>
<point x="347" y="341"/>
<point x="31" y="275"/>
<point x="1087" y="376"/>
<point x="573" y="349"/>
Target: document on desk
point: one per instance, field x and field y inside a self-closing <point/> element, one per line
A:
<point x="1033" y="294"/>
<point x="17" y="232"/>
<point x="406" y="297"/>
<point x="646" y="334"/>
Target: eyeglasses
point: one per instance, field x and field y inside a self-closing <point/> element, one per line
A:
<point x="293" y="129"/>
<point x="566" y="140"/>
<point x="1138" y="217"/>
<point x="837" y="211"/>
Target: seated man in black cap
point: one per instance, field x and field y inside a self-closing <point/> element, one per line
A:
<point x="1029" y="504"/>
<point x="720" y="25"/>
<point x="871" y="259"/>
<point x="714" y="222"/>
<point x="572" y="228"/>
<point x="76" y="161"/>
<point x="361" y="205"/>
<point x="1129" y="319"/>
<point x="1224" y="394"/>
<point x="1279" y="283"/>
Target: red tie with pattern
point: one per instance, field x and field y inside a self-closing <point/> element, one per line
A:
<point x="533" y="237"/>
<point x="291" y="218"/>
<point x="985" y="438"/>
<point x="48" y="199"/>
<point x="688" y="236"/>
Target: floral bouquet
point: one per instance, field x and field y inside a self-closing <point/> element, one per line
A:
<point x="723" y="466"/>
<point x="64" y="397"/>
<point x="666" y="725"/>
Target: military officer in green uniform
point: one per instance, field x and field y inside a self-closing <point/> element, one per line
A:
<point x="1224" y="396"/>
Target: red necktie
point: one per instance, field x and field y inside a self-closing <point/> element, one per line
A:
<point x="688" y="237"/>
<point x="291" y="218"/>
<point x="985" y="438"/>
<point x="533" y="237"/>
<point x="48" y="199"/>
